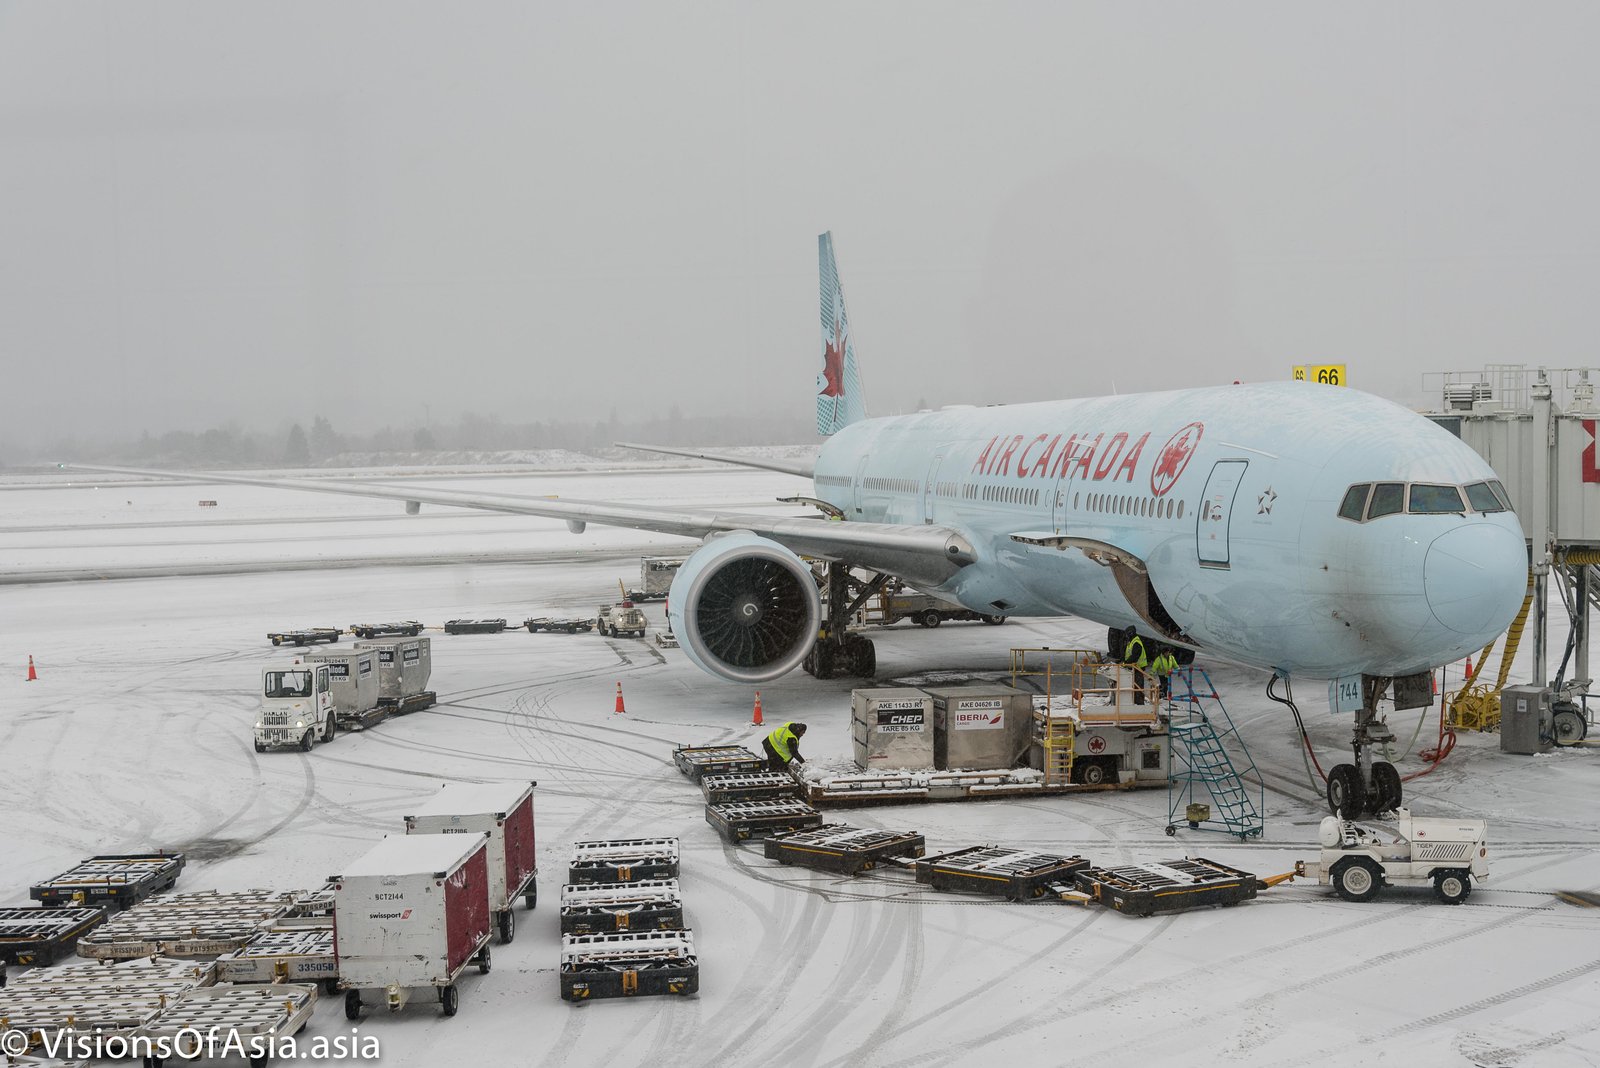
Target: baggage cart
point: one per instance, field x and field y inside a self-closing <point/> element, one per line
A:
<point x="404" y="667"/>
<point x="474" y="626"/>
<point x="408" y="629"/>
<point x="628" y="964"/>
<point x="118" y="880"/>
<point x="207" y="1021"/>
<point x="1170" y="886"/>
<point x="698" y="761"/>
<point x="413" y="912"/>
<point x="504" y="812"/>
<point x="37" y="937"/>
<point x="838" y="847"/>
<point x="284" y="955"/>
<point x="304" y="636"/>
<point x="749" y="786"/>
<point x="91" y="998"/>
<point x="623" y="860"/>
<point x="203" y="924"/>
<point x="553" y="626"/>
<point x="602" y="908"/>
<point x="738" y="821"/>
<point x="1015" y="874"/>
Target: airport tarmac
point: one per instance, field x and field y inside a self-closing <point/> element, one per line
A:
<point x="137" y="735"/>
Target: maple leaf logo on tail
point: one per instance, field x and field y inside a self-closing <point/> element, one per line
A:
<point x="1174" y="457"/>
<point x="839" y="400"/>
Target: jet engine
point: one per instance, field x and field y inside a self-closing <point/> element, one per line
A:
<point x="745" y="608"/>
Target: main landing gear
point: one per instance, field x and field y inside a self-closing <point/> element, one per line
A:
<point x="1368" y="787"/>
<point x="837" y="651"/>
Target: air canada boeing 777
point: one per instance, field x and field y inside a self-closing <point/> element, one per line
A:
<point x="1312" y="531"/>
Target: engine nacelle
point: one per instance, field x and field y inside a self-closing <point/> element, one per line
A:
<point x="745" y="608"/>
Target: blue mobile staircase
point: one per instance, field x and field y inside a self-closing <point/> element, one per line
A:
<point x="1207" y="790"/>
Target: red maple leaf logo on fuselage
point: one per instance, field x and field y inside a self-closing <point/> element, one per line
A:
<point x="1174" y="457"/>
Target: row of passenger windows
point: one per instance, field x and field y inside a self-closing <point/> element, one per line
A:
<point x="1371" y="500"/>
<point x="1011" y="494"/>
<point x="891" y="485"/>
<point x="1144" y="507"/>
<point x="834" y="480"/>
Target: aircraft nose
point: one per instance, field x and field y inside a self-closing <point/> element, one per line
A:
<point x="1475" y="578"/>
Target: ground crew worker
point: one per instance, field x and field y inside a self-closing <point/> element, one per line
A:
<point x="1164" y="665"/>
<point x="1134" y="657"/>
<point x="783" y="746"/>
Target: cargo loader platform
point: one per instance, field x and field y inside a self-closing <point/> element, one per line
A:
<point x="738" y="821"/>
<point x="623" y="860"/>
<point x="628" y="965"/>
<point x="187" y="925"/>
<point x="901" y="787"/>
<point x="605" y="908"/>
<point x="1171" y="886"/>
<point x="1015" y="874"/>
<point x="840" y="848"/>
<point x="284" y="955"/>
<point x="91" y="998"/>
<point x="118" y="880"/>
<point x="749" y="786"/>
<point x="37" y="937"/>
<point x="245" y="1014"/>
<point x="698" y="761"/>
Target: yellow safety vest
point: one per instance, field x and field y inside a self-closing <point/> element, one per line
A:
<point x="1164" y="664"/>
<point x="1136" y="646"/>
<point x="781" y="739"/>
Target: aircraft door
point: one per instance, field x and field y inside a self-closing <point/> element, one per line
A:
<point x="928" y="486"/>
<point x="1216" y="511"/>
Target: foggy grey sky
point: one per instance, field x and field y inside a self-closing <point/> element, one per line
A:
<point x="261" y="211"/>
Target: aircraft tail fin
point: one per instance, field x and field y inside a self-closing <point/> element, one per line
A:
<point x="839" y="399"/>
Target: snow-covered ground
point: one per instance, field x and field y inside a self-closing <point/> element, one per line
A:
<point x="137" y="735"/>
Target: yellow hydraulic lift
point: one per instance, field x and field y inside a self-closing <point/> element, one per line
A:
<point x="1476" y="707"/>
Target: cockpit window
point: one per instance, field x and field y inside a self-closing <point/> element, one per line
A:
<point x="1435" y="500"/>
<point x="1482" y="498"/>
<point x="1387" y="499"/>
<point x="1355" y="502"/>
<point x="1500" y="491"/>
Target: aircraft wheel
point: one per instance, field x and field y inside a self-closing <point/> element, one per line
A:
<point x="1387" y="791"/>
<point x="1357" y="878"/>
<point x="1452" y="887"/>
<point x="824" y="661"/>
<point x="1346" y="796"/>
<point x="1570" y="726"/>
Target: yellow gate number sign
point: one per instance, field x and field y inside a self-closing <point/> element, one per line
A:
<point x="1329" y="374"/>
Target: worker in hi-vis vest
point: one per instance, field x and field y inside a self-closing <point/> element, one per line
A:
<point x="783" y="746"/>
<point x="1164" y="665"/>
<point x="1134" y="657"/>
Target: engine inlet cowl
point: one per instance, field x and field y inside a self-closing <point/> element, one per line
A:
<point x="745" y="608"/>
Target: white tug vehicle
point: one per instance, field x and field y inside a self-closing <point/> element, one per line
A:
<point x="1359" y="861"/>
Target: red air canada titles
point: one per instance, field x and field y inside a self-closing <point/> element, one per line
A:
<point x="1096" y="459"/>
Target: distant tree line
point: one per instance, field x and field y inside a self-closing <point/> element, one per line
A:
<point x="308" y="445"/>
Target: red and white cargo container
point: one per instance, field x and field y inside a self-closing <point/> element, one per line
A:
<point x="503" y="811"/>
<point x="413" y="912"/>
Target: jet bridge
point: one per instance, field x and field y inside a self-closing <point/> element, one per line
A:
<point x="1537" y="428"/>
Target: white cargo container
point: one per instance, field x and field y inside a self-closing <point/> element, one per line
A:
<point x="980" y="726"/>
<point x="892" y="727"/>
<point x="353" y="682"/>
<point x="412" y="912"/>
<point x="503" y="811"/>
<point x="404" y="667"/>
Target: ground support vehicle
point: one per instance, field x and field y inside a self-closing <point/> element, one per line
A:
<point x="37" y="937"/>
<point x="621" y="620"/>
<point x="297" y="707"/>
<point x="1358" y="861"/>
<point x="923" y="609"/>
<point x="698" y="761"/>
<point x="623" y="860"/>
<point x="738" y="821"/>
<point x="282" y="954"/>
<point x="552" y="626"/>
<point x="304" y="636"/>
<point x="252" y="1016"/>
<point x="1015" y="874"/>
<point x="409" y="628"/>
<point x="413" y="912"/>
<point x="628" y="964"/>
<point x="87" y="997"/>
<point x="503" y="812"/>
<point x="1170" y="886"/>
<point x="116" y="880"/>
<point x="603" y="908"/>
<point x="838" y="847"/>
<point x="666" y="639"/>
<point x="749" y="786"/>
<point x="474" y="626"/>
<point x="404" y="667"/>
<point x="203" y="924"/>
<point x="655" y="577"/>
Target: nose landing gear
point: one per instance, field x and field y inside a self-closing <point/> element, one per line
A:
<point x="1367" y="787"/>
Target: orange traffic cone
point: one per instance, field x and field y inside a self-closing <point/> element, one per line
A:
<point x="620" y="709"/>
<point x="755" y="717"/>
<point x="33" y="675"/>
<point x="1469" y="669"/>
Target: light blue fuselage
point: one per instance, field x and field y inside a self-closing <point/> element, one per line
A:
<point x="1228" y="495"/>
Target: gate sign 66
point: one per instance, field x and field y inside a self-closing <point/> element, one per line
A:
<point x="1328" y="374"/>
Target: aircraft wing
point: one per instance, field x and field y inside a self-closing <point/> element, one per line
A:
<point x="920" y="554"/>
<point x="803" y="468"/>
